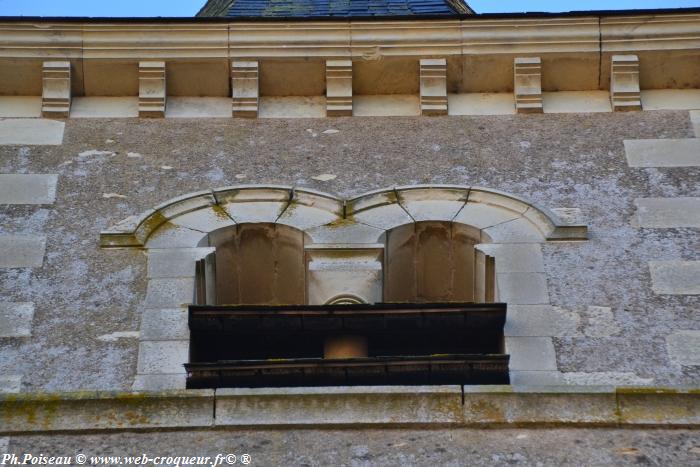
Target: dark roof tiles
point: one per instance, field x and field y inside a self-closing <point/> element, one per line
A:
<point x="344" y="8"/>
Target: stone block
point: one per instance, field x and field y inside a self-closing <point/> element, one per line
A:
<point x="667" y="213"/>
<point x="163" y="357"/>
<point x="27" y="189"/>
<point x="671" y="99"/>
<point x="536" y="378"/>
<point x="540" y="320"/>
<point x="198" y="107"/>
<point x="684" y="347"/>
<point x="4" y="445"/>
<point x="305" y="217"/>
<point x="152" y="90"/>
<point x="531" y="353"/>
<point x="292" y="107"/>
<point x="31" y="131"/>
<point x="433" y="86"/>
<point x="251" y="212"/>
<point x="90" y="411"/>
<point x="204" y="220"/>
<point x="16" y="319"/>
<point x="245" y="88"/>
<point x="663" y="152"/>
<point x="20" y="106"/>
<point x="658" y="406"/>
<point x="528" y="84"/>
<point x="175" y="262"/>
<point x="384" y="217"/>
<point x="56" y="95"/>
<point x="10" y="384"/>
<point x="516" y="257"/>
<point x="22" y="251"/>
<point x="105" y="107"/>
<point x="538" y="405"/>
<point x="160" y="382"/>
<point x="169" y="293"/>
<point x="522" y="288"/>
<point x="481" y="104"/>
<point x="675" y="277"/>
<point x="695" y="122"/>
<point x="339" y="88"/>
<point x="345" y="231"/>
<point x="624" y="83"/>
<point x="516" y="231"/>
<point x="164" y="324"/>
<point x="362" y="405"/>
<point x="600" y="322"/>
<point x="483" y="216"/>
<point x="170" y="235"/>
<point x="576" y="102"/>
<point x="391" y="105"/>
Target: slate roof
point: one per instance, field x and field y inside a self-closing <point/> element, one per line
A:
<point x="344" y="8"/>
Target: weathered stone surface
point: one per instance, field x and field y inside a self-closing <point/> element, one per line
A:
<point x="152" y="89"/>
<point x="557" y="378"/>
<point x="16" y="319"/>
<point x="481" y="104"/>
<point x="695" y="121"/>
<point x="94" y="411"/>
<point x="4" y="445"/>
<point x="331" y="406"/>
<point x="164" y="324"/>
<point x="576" y="102"/>
<point x="684" y="347"/>
<point x="159" y="382"/>
<point x="169" y="292"/>
<point x="395" y="105"/>
<point x="649" y="406"/>
<point x="105" y="107"/>
<point x="174" y="236"/>
<point x="600" y="322"/>
<point x="522" y="405"/>
<point x="198" y="107"/>
<point x="670" y="99"/>
<point x="163" y="357"/>
<point x="522" y="288"/>
<point x="175" y="262"/>
<point x="10" y="384"/>
<point x="482" y="216"/>
<point x="245" y="88"/>
<point x="30" y="131"/>
<point x="668" y="212"/>
<point x="22" y="251"/>
<point x="27" y="189"/>
<point x="663" y="152"/>
<point x="528" y="84"/>
<point x="516" y="231"/>
<point x="433" y="86"/>
<point x="675" y="277"/>
<point x="540" y="320"/>
<point x="20" y="106"/>
<point x="624" y="83"/>
<point x="531" y="353"/>
<point x="56" y="95"/>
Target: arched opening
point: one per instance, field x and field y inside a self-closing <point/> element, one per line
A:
<point x="256" y="264"/>
<point x="432" y="261"/>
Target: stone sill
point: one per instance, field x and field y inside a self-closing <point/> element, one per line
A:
<point x="393" y="406"/>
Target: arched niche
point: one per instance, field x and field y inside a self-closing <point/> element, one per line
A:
<point x="258" y="264"/>
<point x="435" y="261"/>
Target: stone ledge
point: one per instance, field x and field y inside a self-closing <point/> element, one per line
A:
<point x="391" y="406"/>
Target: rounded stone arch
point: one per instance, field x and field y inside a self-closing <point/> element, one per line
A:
<point x="175" y="233"/>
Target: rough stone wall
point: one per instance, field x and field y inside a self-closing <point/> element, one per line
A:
<point x="87" y="299"/>
<point x="391" y="447"/>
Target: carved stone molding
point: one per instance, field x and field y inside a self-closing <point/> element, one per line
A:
<point x="152" y="90"/>
<point x="56" y="97"/>
<point x="528" y="84"/>
<point x="339" y="88"/>
<point x="624" y="83"/>
<point x="245" y="88"/>
<point x="433" y="86"/>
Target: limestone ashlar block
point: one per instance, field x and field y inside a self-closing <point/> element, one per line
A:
<point x="27" y="188"/>
<point x="56" y="96"/>
<point x="152" y="90"/>
<point x="245" y="89"/>
<point x="433" y="86"/>
<point x="16" y="319"/>
<point x="527" y="85"/>
<point x="624" y="83"/>
<point x="339" y="88"/>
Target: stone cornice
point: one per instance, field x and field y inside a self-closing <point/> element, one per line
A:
<point x="165" y="39"/>
<point x="391" y="406"/>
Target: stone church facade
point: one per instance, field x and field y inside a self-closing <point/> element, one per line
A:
<point x="319" y="233"/>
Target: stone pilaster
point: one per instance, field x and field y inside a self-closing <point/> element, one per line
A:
<point x="246" y="93"/>
<point x="624" y="83"/>
<point x="339" y="88"/>
<point x="527" y="84"/>
<point x="433" y="86"/>
<point x="152" y="90"/>
<point x="56" y="97"/>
